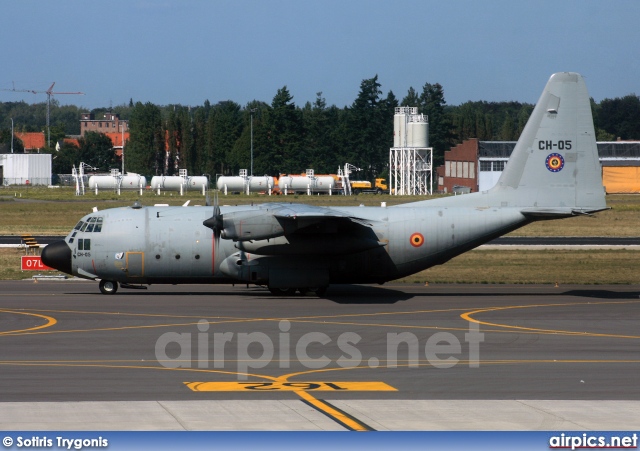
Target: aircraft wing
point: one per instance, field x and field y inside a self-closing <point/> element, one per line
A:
<point x="278" y="219"/>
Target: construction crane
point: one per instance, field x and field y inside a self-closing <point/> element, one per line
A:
<point x="49" y="92"/>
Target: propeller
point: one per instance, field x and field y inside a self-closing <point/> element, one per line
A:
<point x="215" y="222"/>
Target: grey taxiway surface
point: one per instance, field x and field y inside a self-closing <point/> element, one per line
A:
<point x="392" y="357"/>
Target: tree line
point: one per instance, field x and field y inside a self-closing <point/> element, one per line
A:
<point x="288" y="138"/>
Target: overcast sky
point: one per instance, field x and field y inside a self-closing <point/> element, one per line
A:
<point x="177" y="51"/>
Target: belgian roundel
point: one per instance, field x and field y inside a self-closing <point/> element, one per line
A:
<point x="416" y="240"/>
<point x="555" y="162"/>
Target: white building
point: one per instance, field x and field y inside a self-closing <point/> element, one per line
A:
<point x="25" y="169"/>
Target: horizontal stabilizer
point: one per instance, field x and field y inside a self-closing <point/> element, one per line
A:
<point x="556" y="213"/>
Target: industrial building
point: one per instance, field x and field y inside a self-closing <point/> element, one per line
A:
<point x="25" y="169"/>
<point x="476" y="165"/>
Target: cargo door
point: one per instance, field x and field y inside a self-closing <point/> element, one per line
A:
<point x="135" y="264"/>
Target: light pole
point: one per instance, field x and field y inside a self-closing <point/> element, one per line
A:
<point x="253" y="110"/>
<point x="11" y="135"/>
<point x="122" y="155"/>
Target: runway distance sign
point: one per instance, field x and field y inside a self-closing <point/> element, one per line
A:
<point x="288" y="386"/>
<point x="33" y="263"/>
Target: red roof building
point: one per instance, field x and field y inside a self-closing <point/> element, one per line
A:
<point x="32" y="141"/>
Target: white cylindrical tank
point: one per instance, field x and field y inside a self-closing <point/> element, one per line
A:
<point x="156" y="182"/>
<point x="133" y="181"/>
<point x="260" y="183"/>
<point x="325" y="183"/>
<point x="284" y="182"/>
<point x="398" y="130"/>
<point x="169" y="182"/>
<point x="418" y="132"/>
<point x="103" y="182"/>
<point x="232" y="183"/>
<point x="196" y="182"/>
<point x="302" y="182"/>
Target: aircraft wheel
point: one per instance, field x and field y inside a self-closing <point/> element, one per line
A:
<point x="282" y="291"/>
<point x="108" y="286"/>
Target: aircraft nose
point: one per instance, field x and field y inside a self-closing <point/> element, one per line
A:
<point x="57" y="255"/>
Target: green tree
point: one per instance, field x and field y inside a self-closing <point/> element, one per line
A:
<point x="281" y="152"/>
<point x="508" y="131"/>
<point x="224" y="128"/>
<point x="319" y="145"/>
<point x="433" y="104"/>
<point x="370" y="128"/>
<point x="146" y="147"/>
<point x="96" y="149"/>
<point x="5" y="142"/>
<point x="63" y="160"/>
<point x="411" y="99"/>
<point x="620" y="117"/>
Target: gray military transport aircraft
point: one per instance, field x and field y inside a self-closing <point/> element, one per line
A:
<point x="554" y="172"/>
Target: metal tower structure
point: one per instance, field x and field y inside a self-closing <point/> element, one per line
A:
<point x="49" y="92"/>
<point x="410" y="158"/>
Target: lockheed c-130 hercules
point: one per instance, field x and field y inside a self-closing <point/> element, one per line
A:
<point x="553" y="172"/>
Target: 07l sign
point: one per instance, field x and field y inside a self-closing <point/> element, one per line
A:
<point x="33" y="263"/>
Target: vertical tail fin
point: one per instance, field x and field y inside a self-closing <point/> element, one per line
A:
<point x="554" y="167"/>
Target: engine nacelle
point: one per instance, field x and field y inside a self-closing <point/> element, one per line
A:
<point x="253" y="225"/>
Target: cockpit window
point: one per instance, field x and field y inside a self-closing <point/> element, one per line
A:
<point x="93" y="224"/>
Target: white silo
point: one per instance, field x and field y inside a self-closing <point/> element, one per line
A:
<point x="418" y="131"/>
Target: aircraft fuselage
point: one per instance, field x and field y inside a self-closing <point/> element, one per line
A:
<point x="152" y="245"/>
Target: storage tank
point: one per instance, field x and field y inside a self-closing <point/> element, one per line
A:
<point x="302" y="182"/>
<point x="295" y="183"/>
<point x="196" y="182"/>
<point x="324" y="183"/>
<point x="418" y="132"/>
<point x="130" y="181"/>
<point x="103" y="182"/>
<point x="231" y="183"/>
<point x="260" y="183"/>
<point x="168" y="182"/>
<point x="284" y="182"/>
<point x="133" y="181"/>
<point x="398" y="129"/>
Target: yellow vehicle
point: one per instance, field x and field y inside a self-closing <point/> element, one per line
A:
<point x="363" y="186"/>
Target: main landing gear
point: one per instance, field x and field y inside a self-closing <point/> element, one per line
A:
<point x="108" y="286"/>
